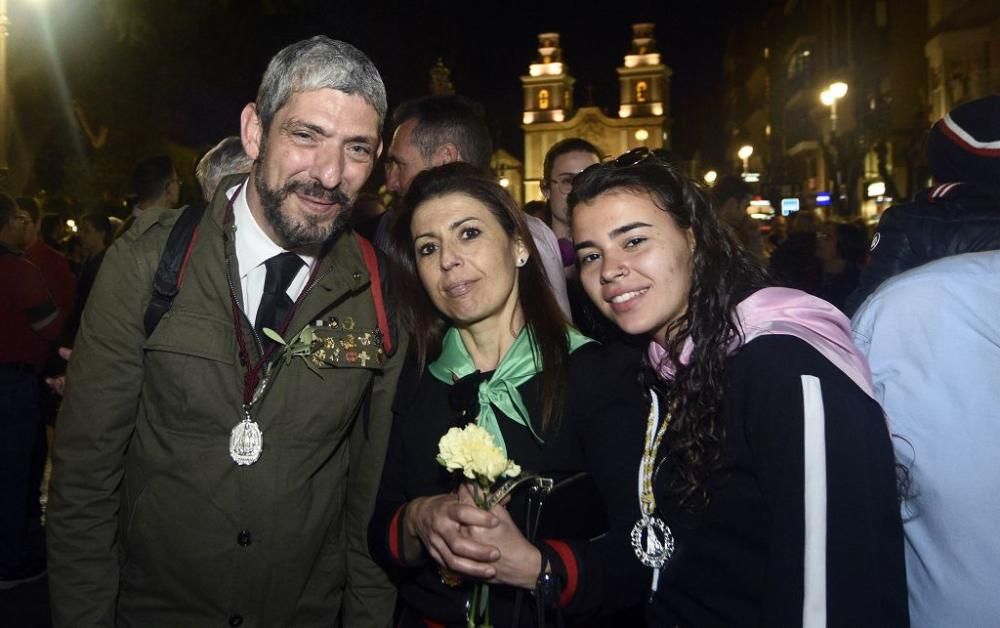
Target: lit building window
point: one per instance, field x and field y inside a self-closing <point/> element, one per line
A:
<point x="543" y="99"/>
<point x="640" y="91"/>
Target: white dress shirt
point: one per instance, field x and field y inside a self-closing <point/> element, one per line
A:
<point x="253" y="248"/>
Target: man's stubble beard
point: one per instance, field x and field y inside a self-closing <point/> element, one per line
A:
<point x="307" y="230"/>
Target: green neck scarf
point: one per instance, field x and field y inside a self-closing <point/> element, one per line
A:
<point x="516" y="367"/>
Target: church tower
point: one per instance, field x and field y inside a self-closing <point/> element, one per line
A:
<point x="644" y="80"/>
<point x="550" y="116"/>
<point x="548" y="90"/>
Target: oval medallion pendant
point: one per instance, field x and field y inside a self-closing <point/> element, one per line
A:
<point x="652" y="541"/>
<point x="246" y="442"/>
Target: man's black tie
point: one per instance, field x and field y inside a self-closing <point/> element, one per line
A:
<point x="274" y="303"/>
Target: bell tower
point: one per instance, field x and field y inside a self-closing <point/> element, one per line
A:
<point x="548" y="88"/>
<point x="644" y="80"/>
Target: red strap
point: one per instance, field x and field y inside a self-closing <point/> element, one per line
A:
<point x="368" y="253"/>
<point x="572" y="573"/>
<point x="394" y="548"/>
<point x="187" y="256"/>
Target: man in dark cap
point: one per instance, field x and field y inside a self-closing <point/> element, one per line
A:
<point x="960" y="214"/>
<point x="932" y="337"/>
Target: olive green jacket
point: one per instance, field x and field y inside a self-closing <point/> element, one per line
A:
<point x="150" y="522"/>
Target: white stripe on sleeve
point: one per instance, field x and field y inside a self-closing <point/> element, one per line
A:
<point x="814" y="598"/>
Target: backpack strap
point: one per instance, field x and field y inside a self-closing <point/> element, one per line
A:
<point x="176" y="254"/>
<point x="381" y="315"/>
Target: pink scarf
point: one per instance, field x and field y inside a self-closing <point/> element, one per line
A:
<point x="791" y="312"/>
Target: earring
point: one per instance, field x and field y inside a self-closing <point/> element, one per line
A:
<point x="521" y="261"/>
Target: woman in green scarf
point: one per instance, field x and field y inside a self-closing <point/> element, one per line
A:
<point x="490" y="345"/>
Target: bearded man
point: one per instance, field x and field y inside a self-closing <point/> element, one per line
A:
<point x="204" y="474"/>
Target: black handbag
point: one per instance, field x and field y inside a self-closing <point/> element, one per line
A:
<point x="566" y="506"/>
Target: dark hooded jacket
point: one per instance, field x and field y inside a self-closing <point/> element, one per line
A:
<point x="948" y="219"/>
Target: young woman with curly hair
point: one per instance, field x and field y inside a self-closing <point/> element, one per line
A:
<point x="767" y="484"/>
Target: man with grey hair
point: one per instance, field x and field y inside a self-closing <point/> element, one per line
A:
<point x="207" y="473"/>
<point x="225" y="158"/>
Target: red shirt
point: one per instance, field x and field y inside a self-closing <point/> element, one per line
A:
<point x="29" y="318"/>
<point x="58" y="276"/>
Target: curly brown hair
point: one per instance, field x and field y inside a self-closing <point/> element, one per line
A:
<point x="723" y="274"/>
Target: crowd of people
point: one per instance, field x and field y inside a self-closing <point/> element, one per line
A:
<point x="250" y="425"/>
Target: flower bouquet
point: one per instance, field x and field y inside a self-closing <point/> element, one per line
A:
<point x="473" y="452"/>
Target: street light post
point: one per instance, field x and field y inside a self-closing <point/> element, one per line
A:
<point x="744" y="154"/>
<point x="4" y="27"/>
<point x="829" y="97"/>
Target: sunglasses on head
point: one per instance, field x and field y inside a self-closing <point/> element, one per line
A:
<point x="632" y="157"/>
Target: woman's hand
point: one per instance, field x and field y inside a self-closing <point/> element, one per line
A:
<point x="440" y="522"/>
<point x="519" y="561"/>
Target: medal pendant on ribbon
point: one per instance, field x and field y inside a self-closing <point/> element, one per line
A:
<point x="652" y="541"/>
<point x="246" y="442"/>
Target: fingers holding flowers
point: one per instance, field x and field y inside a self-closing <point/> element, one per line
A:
<point x="519" y="561"/>
<point x="440" y="523"/>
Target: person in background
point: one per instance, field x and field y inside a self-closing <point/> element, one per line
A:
<point x="58" y="276"/>
<point x="224" y="159"/>
<point x="959" y="214"/>
<point x="52" y="228"/>
<point x="768" y="477"/>
<point x="61" y="284"/>
<point x="366" y="214"/>
<point x="438" y="130"/>
<point x="563" y="161"/>
<point x="155" y="184"/>
<point x="841" y="248"/>
<point x="932" y="337"/>
<point x="931" y="332"/>
<point x="793" y="263"/>
<point x="731" y="196"/>
<point x="30" y="320"/>
<point x="96" y="234"/>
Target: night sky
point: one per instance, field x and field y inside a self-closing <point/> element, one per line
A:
<point x="188" y="66"/>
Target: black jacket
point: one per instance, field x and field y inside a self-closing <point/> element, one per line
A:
<point x="948" y="219"/>
<point x="601" y="431"/>
<point x="742" y="559"/>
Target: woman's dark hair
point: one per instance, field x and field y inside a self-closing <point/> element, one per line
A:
<point x="723" y="274"/>
<point x="426" y="326"/>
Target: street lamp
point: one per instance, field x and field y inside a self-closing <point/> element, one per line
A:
<point x="4" y="28"/>
<point x="829" y="97"/>
<point x="744" y="153"/>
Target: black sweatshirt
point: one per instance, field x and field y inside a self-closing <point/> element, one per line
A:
<point x="742" y="560"/>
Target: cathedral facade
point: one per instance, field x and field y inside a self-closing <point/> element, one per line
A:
<point x="550" y="114"/>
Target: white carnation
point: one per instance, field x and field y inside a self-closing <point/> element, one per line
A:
<point x="473" y="451"/>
